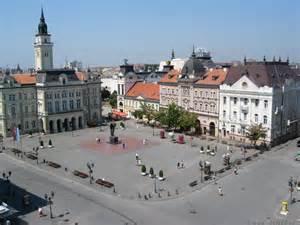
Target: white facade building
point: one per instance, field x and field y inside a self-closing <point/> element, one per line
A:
<point x="264" y="93"/>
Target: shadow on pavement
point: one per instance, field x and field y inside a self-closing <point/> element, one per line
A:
<point x="19" y="199"/>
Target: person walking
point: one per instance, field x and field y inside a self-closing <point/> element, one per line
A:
<point x="178" y="165"/>
<point x="235" y="170"/>
<point x="220" y="191"/>
<point x="123" y="145"/>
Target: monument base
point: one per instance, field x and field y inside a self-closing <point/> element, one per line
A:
<point x="113" y="140"/>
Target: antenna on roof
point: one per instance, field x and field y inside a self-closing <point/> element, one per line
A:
<point x="264" y="58"/>
<point x="245" y="60"/>
<point x="287" y="60"/>
<point x="279" y="60"/>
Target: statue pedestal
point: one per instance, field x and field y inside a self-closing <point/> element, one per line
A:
<point x="113" y="140"/>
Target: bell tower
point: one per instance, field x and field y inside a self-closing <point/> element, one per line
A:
<point x="43" y="47"/>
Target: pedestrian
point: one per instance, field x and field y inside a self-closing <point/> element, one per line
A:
<point x="123" y="145"/>
<point x="235" y="171"/>
<point x="144" y="141"/>
<point x="99" y="141"/>
<point x="215" y="179"/>
<point x="220" y="191"/>
<point x="40" y="211"/>
<point x="136" y="156"/>
<point x="178" y="165"/>
<point x="182" y="164"/>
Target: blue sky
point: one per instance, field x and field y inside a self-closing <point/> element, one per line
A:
<point x="104" y="32"/>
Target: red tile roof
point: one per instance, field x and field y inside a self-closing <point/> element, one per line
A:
<point x="171" y="77"/>
<point x="146" y="90"/>
<point x="25" y="78"/>
<point x="213" y="77"/>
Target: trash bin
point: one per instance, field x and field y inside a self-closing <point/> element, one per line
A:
<point x="180" y="139"/>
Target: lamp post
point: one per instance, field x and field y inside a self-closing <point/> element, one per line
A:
<point x="155" y="189"/>
<point x="49" y="199"/>
<point x="90" y="167"/>
<point x="71" y="126"/>
<point x="291" y="188"/>
<point x="153" y="129"/>
<point x="201" y="164"/>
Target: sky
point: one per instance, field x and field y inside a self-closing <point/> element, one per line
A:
<point x="104" y="32"/>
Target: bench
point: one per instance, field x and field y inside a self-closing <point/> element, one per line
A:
<point x="80" y="174"/>
<point x="31" y="156"/>
<point x="105" y="183"/>
<point x="17" y="151"/>
<point x="220" y="170"/>
<point x="194" y="183"/>
<point x="54" y="165"/>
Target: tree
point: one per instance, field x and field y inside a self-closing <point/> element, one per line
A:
<point x="151" y="171"/>
<point x="113" y="99"/>
<point x="148" y="111"/>
<point x="105" y="94"/>
<point x="138" y="114"/>
<point x="170" y="116"/>
<point x="143" y="169"/>
<point x="187" y="120"/>
<point x="255" y="132"/>
<point x="161" y="173"/>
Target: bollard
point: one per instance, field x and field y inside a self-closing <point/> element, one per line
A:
<point x="139" y="195"/>
<point x="115" y="190"/>
<point x="146" y="198"/>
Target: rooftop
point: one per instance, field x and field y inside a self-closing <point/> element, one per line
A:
<point x="146" y="90"/>
<point x="25" y="78"/>
<point x="214" y="76"/>
<point x="171" y="77"/>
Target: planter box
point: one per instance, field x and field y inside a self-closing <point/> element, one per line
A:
<point x="143" y="174"/>
<point x="161" y="178"/>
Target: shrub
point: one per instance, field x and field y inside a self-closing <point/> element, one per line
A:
<point x="151" y="171"/>
<point x="50" y="142"/>
<point x="41" y="143"/>
<point x="122" y="124"/>
<point x="208" y="147"/>
<point x="161" y="173"/>
<point x="143" y="169"/>
<point x="202" y="148"/>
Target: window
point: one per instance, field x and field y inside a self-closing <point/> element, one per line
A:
<point x="233" y="129"/>
<point x="32" y="96"/>
<point x="201" y="106"/>
<point x="206" y="94"/>
<point x="13" y="111"/>
<point x="245" y="101"/>
<point x="25" y="96"/>
<point x="234" y="115"/>
<point x="26" y="125"/>
<point x="49" y="104"/>
<point x="266" y="104"/>
<point x="26" y="109"/>
<point x="224" y="113"/>
<point x="196" y="93"/>
<point x="205" y="107"/>
<point x="195" y="105"/>
<point x="265" y="119"/>
<point x="20" y="96"/>
<point x="64" y="94"/>
<point x="32" y="108"/>
<point x="78" y="103"/>
<point x="57" y="108"/>
<point x="235" y="100"/>
<point x="245" y="116"/>
<point x="256" y="102"/>
<point x="71" y="104"/>
<point x="64" y="105"/>
<point x="33" y="124"/>
<point x="255" y="118"/>
<point x="224" y="100"/>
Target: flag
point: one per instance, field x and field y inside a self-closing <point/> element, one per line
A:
<point x="18" y="134"/>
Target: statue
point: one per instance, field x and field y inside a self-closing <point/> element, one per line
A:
<point x="112" y="129"/>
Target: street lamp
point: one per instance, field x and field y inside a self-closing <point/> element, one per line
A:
<point x="201" y="164"/>
<point x="90" y="167"/>
<point x="49" y="199"/>
<point x="291" y="189"/>
<point x="153" y="129"/>
<point x="155" y="189"/>
<point x="71" y="126"/>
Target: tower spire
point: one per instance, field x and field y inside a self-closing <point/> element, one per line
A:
<point x="193" y="53"/>
<point x="42" y="25"/>
<point x="173" y="54"/>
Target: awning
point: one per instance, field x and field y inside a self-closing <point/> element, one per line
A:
<point x="120" y="114"/>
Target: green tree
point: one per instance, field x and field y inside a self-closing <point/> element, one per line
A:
<point x="105" y="94"/>
<point x="148" y="111"/>
<point x="187" y="120"/>
<point x="170" y="116"/>
<point x="113" y="99"/>
<point x="138" y="114"/>
<point x="255" y="132"/>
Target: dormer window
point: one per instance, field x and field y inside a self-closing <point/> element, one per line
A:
<point x="64" y="81"/>
<point x="244" y="84"/>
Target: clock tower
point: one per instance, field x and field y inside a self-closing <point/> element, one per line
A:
<point x="43" y="47"/>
